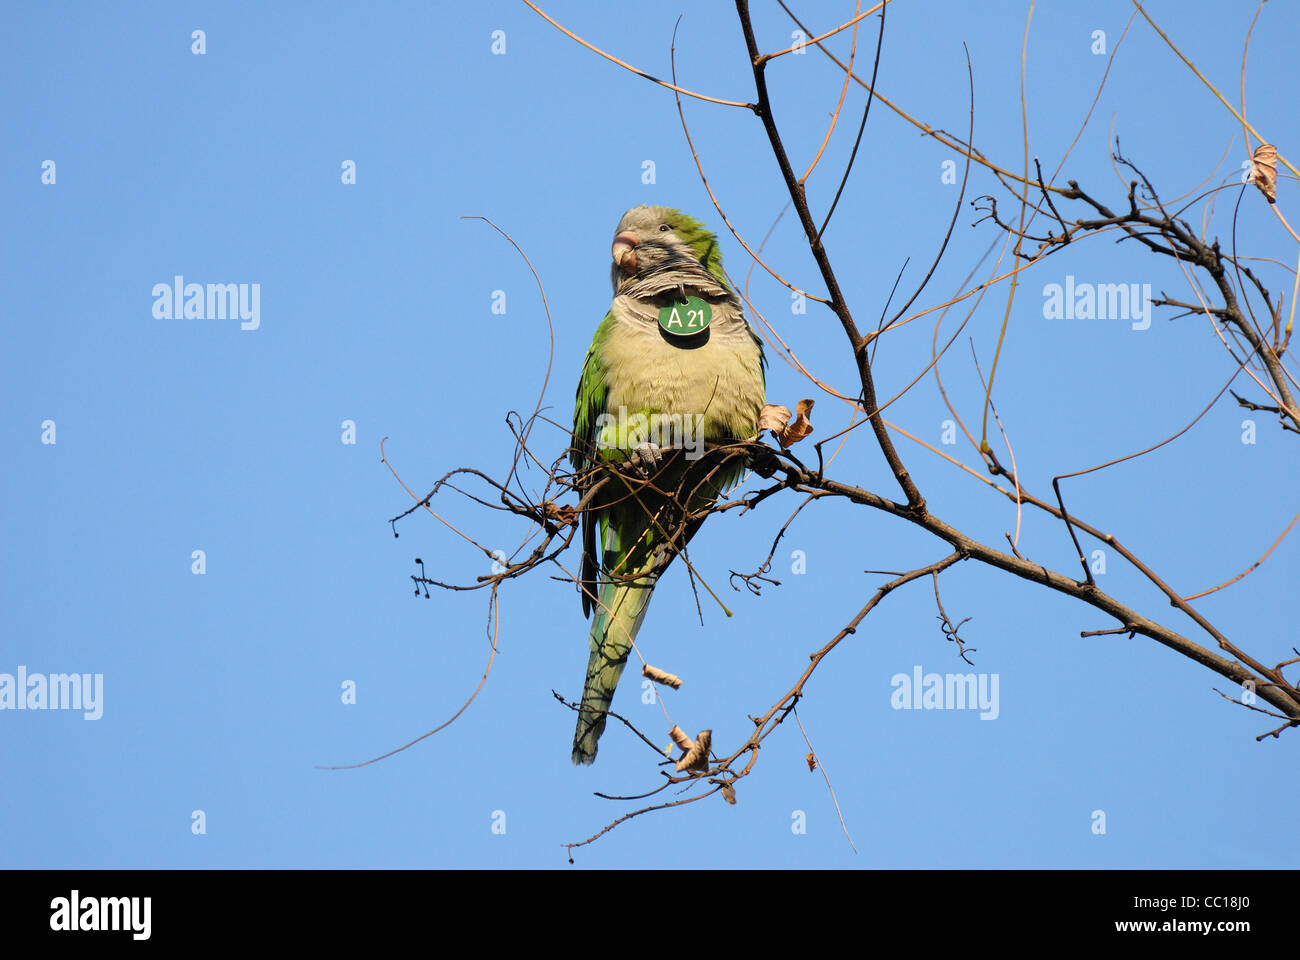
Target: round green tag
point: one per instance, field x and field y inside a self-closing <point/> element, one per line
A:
<point x="686" y="319"/>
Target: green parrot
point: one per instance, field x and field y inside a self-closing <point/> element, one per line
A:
<point x="673" y="364"/>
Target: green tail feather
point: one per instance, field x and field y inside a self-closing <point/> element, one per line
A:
<point x="614" y="626"/>
<point x="632" y="543"/>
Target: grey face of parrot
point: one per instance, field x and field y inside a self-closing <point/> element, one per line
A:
<point x="645" y="243"/>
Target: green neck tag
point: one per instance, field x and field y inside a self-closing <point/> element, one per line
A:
<point x="686" y="319"/>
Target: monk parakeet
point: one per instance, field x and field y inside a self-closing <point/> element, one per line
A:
<point x="672" y="364"/>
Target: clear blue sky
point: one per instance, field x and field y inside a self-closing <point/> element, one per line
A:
<point x="222" y="691"/>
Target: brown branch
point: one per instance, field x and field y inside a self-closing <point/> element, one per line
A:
<point x="816" y="761"/>
<point x="627" y="66"/>
<point x="799" y="198"/>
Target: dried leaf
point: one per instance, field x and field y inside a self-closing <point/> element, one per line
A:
<point x="697" y="758"/>
<point x="1263" y="170"/>
<point x="681" y="739"/>
<point x="564" y="515"/>
<point x="729" y="793"/>
<point x="661" y="676"/>
<point x="773" y="417"/>
<point x="812" y="762"/>
<point x="777" y="418"/>
<point x="800" y="427"/>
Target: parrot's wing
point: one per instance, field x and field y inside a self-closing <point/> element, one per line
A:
<point x="591" y="402"/>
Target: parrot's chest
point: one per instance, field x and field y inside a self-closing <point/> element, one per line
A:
<point x="715" y="379"/>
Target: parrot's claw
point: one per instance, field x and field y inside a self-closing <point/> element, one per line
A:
<point x="647" y="457"/>
<point x="763" y="462"/>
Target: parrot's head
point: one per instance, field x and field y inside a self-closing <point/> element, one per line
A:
<point x="653" y="239"/>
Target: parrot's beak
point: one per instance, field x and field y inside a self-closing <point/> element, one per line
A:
<point x="624" y="252"/>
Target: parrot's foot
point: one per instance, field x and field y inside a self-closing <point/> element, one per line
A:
<point x="763" y="462"/>
<point x="647" y="457"/>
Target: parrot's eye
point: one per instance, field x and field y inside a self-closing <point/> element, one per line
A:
<point x="664" y="228"/>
